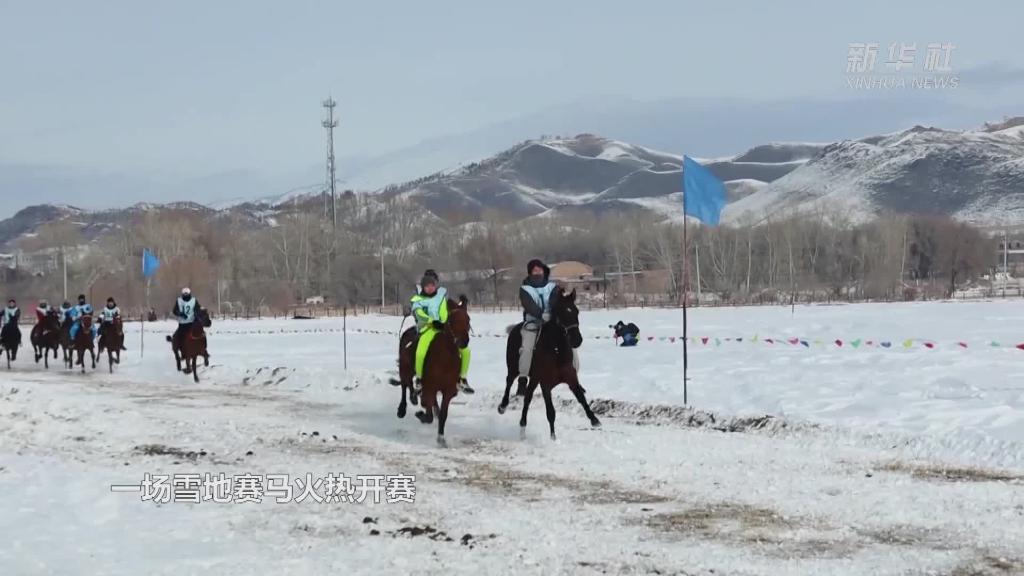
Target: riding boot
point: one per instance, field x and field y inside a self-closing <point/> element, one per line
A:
<point x="465" y="387"/>
<point x="417" y="384"/>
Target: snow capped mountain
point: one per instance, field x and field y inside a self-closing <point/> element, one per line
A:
<point x="975" y="176"/>
<point x="586" y="174"/>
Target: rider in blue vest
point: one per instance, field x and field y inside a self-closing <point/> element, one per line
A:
<point x="185" y="311"/>
<point x="82" y="309"/>
<point x="107" y="316"/>
<point x="536" y="295"/>
<point x="9" y="330"/>
<point x="65" y="312"/>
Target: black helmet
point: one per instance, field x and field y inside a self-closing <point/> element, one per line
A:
<point x="536" y="263"/>
<point x="429" y="276"/>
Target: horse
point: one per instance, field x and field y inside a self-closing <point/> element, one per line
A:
<point x="441" y="368"/>
<point x="66" y="345"/>
<point x="46" y="337"/>
<point x="552" y="361"/>
<point x="193" y="345"/>
<point x="83" y="342"/>
<point x="10" y="341"/>
<point x="111" y="338"/>
<point x="406" y="369"/>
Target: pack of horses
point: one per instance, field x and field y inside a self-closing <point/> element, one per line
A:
<point x="51" y="336"/>
<point x="552" y="358"/>
<point x="552" y="365"/>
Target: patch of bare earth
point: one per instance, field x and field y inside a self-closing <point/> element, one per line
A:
<point x="990" y="566"/>
<point x="952" y="474"/>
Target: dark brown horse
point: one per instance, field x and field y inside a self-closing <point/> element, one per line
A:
<point x="406" y="369"/>
<point x="441" y="368"/>
<point x="65" y="343"/>
<point x="552" y="360"/>
<point x="111" y="338"/>
<point x="193" y="345"/>
<point x="83" y="342"/>
<point x="10" y="341"/>
<point x="46" y="337"/>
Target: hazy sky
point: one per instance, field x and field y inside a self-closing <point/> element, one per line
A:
<point x="199" y="87"/>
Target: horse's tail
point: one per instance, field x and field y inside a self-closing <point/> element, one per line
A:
<point x="510" y="328"/>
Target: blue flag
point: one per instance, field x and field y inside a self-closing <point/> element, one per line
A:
<point x="149" y="263"/>
<point x="703" y="192"/>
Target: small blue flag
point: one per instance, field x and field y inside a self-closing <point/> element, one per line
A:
<point x="703" y="192"/>
<point x="149" y="263"/>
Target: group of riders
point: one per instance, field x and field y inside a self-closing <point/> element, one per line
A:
<point x="429" y="306"/>
<point x="537" y="295"/>
<point x="68" y="315"/>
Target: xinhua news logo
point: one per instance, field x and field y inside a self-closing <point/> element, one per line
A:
<point x="902" y="68"/>
<point x="254" y="488"/>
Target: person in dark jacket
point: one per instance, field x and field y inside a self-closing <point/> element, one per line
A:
<point x="628" y="333"/>
<point x="537" y="294"/>
<point x="9" y="331"/>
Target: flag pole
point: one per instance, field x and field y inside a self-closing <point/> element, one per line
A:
<point x="686" y="268"/>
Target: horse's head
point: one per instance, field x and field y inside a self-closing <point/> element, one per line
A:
<point x="52" y="318"/>
<point x="567" y="315"/>
<point x="203" y="318"/>
<point x="458" y="321"/>
<point x="86" y="321"/>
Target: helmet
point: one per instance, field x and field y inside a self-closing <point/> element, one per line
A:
<point x="87" y="309"/>
<point x="42" y="302"/>
<point x="186" y="291"/>
<point x="430" y="276"/>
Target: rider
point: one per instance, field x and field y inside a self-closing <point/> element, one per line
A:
<point x="430" y="308"/>
<point x="42" y="310"/>
<point x="537" y="294"/>
<point x="628" y="333"/>
<point x="185" y="311"/>
<point x="9" y="323"/>
<point x="108" y="314"/>
<point x="82" y="309"/>
<point x="65" y="312"/>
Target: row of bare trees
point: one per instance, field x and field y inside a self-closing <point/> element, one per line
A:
<point x="233" y="262"/>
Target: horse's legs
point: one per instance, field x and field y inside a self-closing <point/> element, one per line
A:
<point x="581" y="397"/>
<point x="92" y="358"/>
<point x="442" y="417"/>
<point x="508" y="389"/>
<point x="195" y="369"/>
<point x="403" y="405"/>
<point x="530" y="389"/>
<point x="427" y="400"/>
<point x="549" y="405"/>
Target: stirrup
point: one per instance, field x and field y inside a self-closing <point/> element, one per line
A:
<point x="417" y="384"/>
<point x="465" y="387"/>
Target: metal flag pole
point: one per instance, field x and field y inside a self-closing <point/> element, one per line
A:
<point x="686" y="339"/>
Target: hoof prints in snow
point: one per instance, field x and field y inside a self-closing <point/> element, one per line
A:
<point x="271" y="377"/>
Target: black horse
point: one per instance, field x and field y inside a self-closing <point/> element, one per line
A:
<point x="10" y="341"/>
<point x="552" y="360"/>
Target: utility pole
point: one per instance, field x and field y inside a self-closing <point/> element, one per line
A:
<point x="1006" y="265"/>
<point x="382" y="269"/>
<point x="330" y="124"/>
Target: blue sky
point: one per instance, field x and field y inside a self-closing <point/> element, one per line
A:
<point x="199" y="88"/>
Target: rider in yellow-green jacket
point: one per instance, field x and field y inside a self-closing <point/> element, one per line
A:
<point x="430" y="309"/>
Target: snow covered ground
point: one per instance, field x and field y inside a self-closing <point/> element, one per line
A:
<point x="898" y="449"/>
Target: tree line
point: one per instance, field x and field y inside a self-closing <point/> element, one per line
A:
<point x="236" y="263"/>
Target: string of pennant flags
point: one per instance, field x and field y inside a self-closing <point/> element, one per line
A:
<point x="701" y="341"/>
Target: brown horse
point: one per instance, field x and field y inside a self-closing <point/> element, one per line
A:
<point x="46" y="337"/>
<point x="441" y="367"/>
<point x="10" y="341"/>
<point x="193" y="345"/>
<point x="111" y="338"/>
<point x="552" y="361"/>
<point x="406" y="369"/>
<point x="66" y="345"/>
<point x="83" y="342"/>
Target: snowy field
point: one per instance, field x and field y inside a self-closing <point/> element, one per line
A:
<point x="860" y="439"/>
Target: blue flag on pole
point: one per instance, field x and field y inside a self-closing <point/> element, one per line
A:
<point x="149" y="263"/>
<point x="703" y="192"/>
